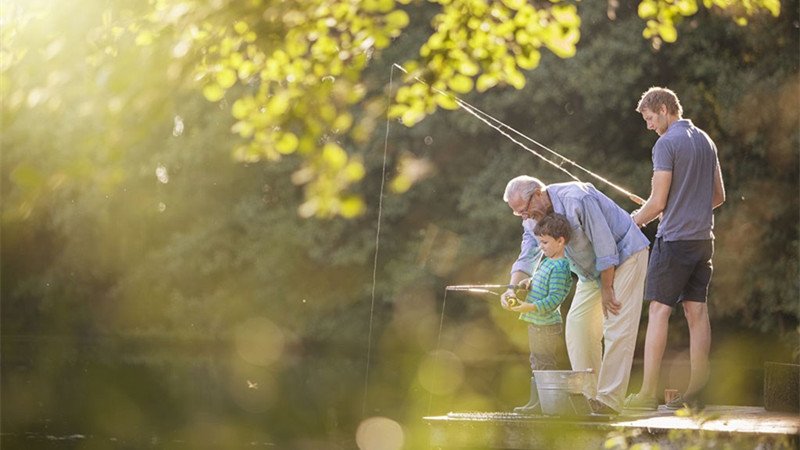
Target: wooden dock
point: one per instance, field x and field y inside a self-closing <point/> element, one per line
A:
<point x="739" y="427"/>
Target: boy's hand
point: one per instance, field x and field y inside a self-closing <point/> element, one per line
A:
<point x="504" y="299"/>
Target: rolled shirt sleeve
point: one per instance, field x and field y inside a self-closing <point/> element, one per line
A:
<point x="603" y="234"/>
<point x="529" y="249"/>
<point x="600" y="234"/>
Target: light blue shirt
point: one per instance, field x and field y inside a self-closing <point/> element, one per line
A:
<point x="603" y="234"/>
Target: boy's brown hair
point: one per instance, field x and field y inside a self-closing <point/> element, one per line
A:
<point x="553" y="225"/>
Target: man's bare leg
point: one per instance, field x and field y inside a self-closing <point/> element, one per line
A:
<point x="654" y="345"/>
<point x="699" y="344"/>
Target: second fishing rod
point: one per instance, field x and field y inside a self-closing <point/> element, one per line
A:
<point x="512" y="301"/>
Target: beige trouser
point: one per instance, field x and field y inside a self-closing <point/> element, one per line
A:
<point x="586" y="327"/>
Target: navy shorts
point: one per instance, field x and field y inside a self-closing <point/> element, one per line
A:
<point x="679" y="271"/>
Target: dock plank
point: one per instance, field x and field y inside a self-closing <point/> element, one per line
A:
<point x="740" y="426"/>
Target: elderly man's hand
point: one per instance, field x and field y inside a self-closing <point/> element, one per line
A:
<point x="610" y="303"/>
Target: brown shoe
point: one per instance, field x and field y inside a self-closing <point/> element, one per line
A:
<point x="601" y="408"/>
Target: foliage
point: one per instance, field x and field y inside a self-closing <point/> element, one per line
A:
<point x="292" y="74"/>
<point x="661" y="15"/>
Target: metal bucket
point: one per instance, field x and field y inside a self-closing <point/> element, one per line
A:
<point x="561" y="391"/>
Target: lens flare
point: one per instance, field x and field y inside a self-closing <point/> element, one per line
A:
<point x="379" y="433"/>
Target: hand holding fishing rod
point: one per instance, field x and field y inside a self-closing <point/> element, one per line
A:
<point x="509" y="298"/>
<point x="514" y="297"/>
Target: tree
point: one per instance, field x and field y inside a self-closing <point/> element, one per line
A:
<point x="292" y="73"/>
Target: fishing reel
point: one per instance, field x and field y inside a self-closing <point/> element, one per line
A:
<point x="520" y="290"/>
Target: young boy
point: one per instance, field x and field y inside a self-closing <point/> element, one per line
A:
<point x="549" y="286"/>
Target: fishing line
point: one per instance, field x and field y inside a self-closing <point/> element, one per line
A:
<point x="434" y="372"/>
<point x="478" y="113"/>
<point x="485" y="118"/>
<point x="377" y="244"/>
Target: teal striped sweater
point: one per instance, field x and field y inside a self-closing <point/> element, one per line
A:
<point x="549" y="287"/>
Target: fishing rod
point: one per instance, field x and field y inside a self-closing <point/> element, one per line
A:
<point x="487" y="289"/>
<point x="482" y="116"/>
<point x="484" y="288"/>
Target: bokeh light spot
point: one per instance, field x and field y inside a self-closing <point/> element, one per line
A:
<point x="162" y="174"/>
<point x="441" y="372"/>
<point x="379" y="433"/>
<point x="259" y="341"/>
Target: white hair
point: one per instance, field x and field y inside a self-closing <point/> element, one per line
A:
<point x="523" y="185"/>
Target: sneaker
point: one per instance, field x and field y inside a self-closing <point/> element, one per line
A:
<point x="686" y="400"/>
<point x="640" y="402"/>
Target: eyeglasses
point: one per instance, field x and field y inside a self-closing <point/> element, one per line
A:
<point x="527" y="206"/>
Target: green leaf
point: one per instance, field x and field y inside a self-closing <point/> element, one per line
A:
<point x="485" y="82"/>
<point x="412" y="116"/>
<point x="668" y="32"/>
<point x="246" y="69"/>
<point x="354" y="171"/>
<point x="240" y="27"/>
<point x="446" y="102"/>
<point x="467" y="67"/>
<point x="226" y="78"/>
<point x="278" y="104"/>
<point x="287" y="143"/>
<point x="334" y="156"/>
<point x="352" y="206"/>
<point x="647" y="9"/>
<point x="213" y="92"/>
<point x="686" y="7"/>
<point x="400" y="184"/>
<point x="241" y="108"/>
<point x="461" y="84"/>
<point x="531" y="61"/>
<point x="516" y="79"/>
<point x="343" y="122"/>
<point x="397" y="19"/>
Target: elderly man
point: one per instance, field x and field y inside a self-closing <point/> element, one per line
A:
<point x="608" y="253"/>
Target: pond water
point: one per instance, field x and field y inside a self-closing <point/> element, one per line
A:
<point x="65" y="394"/>
<point x="172" y="396"/>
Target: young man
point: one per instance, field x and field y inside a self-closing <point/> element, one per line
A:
<point x="686" y="187"/>
<point x="608" y="253"/>
<point x="541" y="310"/>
